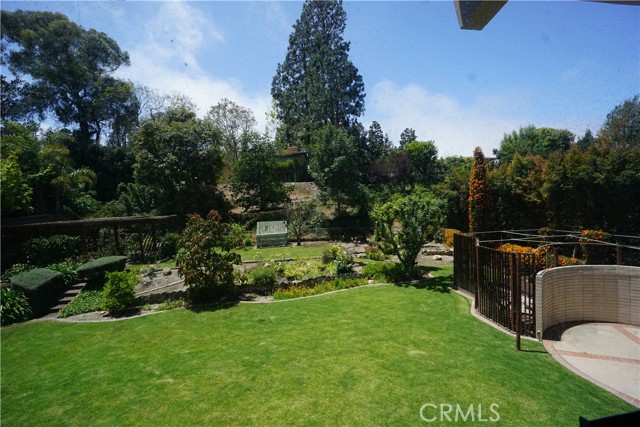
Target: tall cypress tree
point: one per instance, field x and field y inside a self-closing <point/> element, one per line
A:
<point x="317" y="84"/>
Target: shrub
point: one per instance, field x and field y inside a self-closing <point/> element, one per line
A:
<point x="205" y="258"/>
<point x="14" y="307"/>
<point x="69" y="270"/>
<point x="419" y="219"/>
<point x="388" y="272"/>
<point x="237" y="235"/>
<point x="263" y="276"/>
<point x="344" y="263"/>
<point x="331" y="253"/>
<point x="303" y="269"/>
<point x="15" y="270"/>
<point x="373" y="253"/>
<point x="448" y="236"/>
<point x="119" y="291"/>
<point x="47" y="250"/>
<point x="41" y="286"/>
<point x="86" y="301"/>
<point x="169" y="245"/>
<point x="94" y="271"/>
<point x="320" y="288"/>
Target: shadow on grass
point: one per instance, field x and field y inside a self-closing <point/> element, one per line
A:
<point x="214" y="306"/>
<point x="434" y="283"/>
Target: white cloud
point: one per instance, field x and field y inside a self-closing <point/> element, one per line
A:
<point x="167" y="61"/>
<point x="456" y="129"/>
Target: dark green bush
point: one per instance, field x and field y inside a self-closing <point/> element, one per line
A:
<point x="387" y="272"/>
<point x="263" y="276"/>
<point x="68" y="270"/>
<point x="343" y="262"/>
<point x="15" y="270"/>
<point x="45" y="250"/>
<point x="94" y="271"/>
<point x="14" y="307"/>
<point x="119" y="291"/>
<point x="41" y="286"/>
<point x="169" y="245"/>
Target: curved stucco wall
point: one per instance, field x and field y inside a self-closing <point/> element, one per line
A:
<point x="598" y="293"/>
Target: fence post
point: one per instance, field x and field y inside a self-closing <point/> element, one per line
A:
<point x="518" y="301"/>
<point x="475" y="300"/>
<point x="618" y="255"/>
<point x="512" y="291"/>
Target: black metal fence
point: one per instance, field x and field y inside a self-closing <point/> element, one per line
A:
<point x="504" y="283"/>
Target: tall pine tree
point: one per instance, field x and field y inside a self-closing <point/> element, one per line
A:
<point x="317" y="84"/>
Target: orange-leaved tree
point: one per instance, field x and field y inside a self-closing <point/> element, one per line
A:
<point x="479" y="197"/>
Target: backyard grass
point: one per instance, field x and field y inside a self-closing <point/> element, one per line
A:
<point x="263" y="254"/>
<point x="366" y="356"/>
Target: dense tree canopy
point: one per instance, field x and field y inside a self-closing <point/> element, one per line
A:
<point x="178" y="157"/>
<point x="622" y="127"/>
<point x="255" y="176"/>
<point x="69" y="72"/>
<point x="317" y="84"/>
<point x="532" y="140"/>
<point x="233" y="121"/>
<point x="334" y="167"/>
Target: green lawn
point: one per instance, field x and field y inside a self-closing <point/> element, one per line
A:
<point x="365" y="356"/>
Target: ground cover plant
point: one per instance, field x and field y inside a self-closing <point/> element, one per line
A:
<point x="336" y="284"/>
<point x="264" y="254"/>
<point x="367" y="356"/>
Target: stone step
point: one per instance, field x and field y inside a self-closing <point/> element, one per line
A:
<point x="57" y="308"/>
<point x="65" y="300"/>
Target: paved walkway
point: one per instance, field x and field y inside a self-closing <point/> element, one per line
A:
<point x="606" y="354"/>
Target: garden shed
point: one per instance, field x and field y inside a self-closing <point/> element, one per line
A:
<point x="271" y="233"/>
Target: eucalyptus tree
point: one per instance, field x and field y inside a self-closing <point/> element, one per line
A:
<point x="67" y="71"/>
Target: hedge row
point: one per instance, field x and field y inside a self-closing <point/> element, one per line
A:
<point x="94" y="271"/>
<point x="41" y="286"/>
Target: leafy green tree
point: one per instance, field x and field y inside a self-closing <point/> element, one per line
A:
<point x="622" y="127"/>
<point x="517" y="193"/>
<point x="334" y="167"/>
<point x="402" y="227"/>
<point x="532" y="140"/>
<point x="255" y="176"/>
<point x="206" y="258"/>
<point x="454" y="191"/>
<point x="302" y="217"/>
<point x="317" y="84"/>
<point x="408" y="135"/>
<point x="178" y="158"/>
<point x="58" y="185"/>
<point x="423" y="157"/>
<point x="68" y="70"/>
<point x="16" y="193"/>
<point x="233" y="121"/>
<point x="378" y="144"/>
<point x="586" y="141"/>
<point x="479" y="194"/>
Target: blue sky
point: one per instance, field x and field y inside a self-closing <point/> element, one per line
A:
<point x="561" y="64"/>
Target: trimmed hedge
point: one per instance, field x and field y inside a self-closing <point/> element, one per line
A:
<point x="41" y="286"/>
<point x="94" y="271"/>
